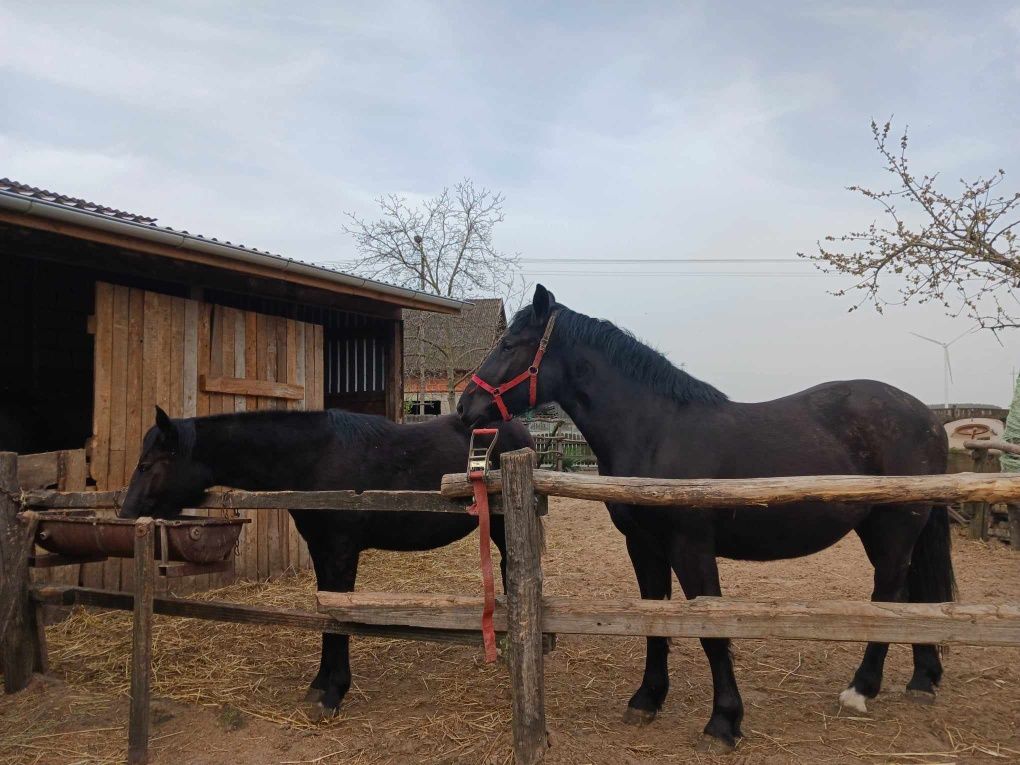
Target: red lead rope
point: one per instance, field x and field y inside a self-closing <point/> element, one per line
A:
<point x="481" y="509"/>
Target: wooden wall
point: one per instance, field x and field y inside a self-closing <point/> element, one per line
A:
<point x="182" y="354"/>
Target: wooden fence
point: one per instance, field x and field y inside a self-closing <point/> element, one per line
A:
<point x="525" y="615"/>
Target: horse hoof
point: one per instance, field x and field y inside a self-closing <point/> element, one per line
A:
<point x="313" y="696"/>
<point x="853" y="700"/>
<point x="926" y="698"/>
<point x="711" y="745"/>
<point x="639" y="717"/>
<point x="318" y="712"/>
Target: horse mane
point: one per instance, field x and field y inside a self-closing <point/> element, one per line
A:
<point x="634" y="358"/>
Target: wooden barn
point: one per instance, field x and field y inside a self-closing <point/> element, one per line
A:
<point x="104" y="314"/>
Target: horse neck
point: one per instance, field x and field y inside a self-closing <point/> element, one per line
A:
<point x="247" y="454"/>
<point x="615" y="413"/>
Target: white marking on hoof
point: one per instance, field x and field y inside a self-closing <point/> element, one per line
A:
<point x="851" y="699"/>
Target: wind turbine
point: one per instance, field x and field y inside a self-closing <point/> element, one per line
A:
<point x="945" y="355"/>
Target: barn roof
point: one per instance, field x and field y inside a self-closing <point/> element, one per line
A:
<point x="472" y="335"/>
<point x="39" y="203"/>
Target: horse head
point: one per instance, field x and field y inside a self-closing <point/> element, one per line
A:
<point x="509" y="382"/>
<point x="167" y="478"/>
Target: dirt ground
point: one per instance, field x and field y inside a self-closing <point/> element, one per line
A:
<point x="231" y="693"/>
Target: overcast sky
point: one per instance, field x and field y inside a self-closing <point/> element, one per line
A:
<point x="696" y="130"/>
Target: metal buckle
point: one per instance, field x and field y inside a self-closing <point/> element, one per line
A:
<point x="478" y="456"/>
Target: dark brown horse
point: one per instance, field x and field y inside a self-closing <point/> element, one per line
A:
<point x="644" y="417"/>
<point x="309" y="451"/>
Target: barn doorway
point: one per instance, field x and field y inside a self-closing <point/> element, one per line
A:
<point x="46" y="367"/>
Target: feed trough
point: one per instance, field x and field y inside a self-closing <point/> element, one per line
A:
<point x="194" y="540"/>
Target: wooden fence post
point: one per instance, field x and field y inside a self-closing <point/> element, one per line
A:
<point x="524" y="606"/>
<point x="18" y="629"/>
<point x="1013" y="511"/>
<point x="141" y="644"/>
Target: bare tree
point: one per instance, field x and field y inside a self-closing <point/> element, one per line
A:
<point x="443" y="245"/>
<point x="958" y="250"/>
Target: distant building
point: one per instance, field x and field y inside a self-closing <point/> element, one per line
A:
<point x="451" y="349"/>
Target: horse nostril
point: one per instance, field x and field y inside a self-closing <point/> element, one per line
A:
<point x="460" y="408"/>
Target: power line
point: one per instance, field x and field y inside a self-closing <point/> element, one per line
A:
<point x="662" y="260"/>
<point x="686" y="274"/>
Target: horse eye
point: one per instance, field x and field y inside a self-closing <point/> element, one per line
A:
<point x="507" y="346"/>
<point x="142" y="468"/>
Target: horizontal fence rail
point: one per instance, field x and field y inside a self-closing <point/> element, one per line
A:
<point x="704" y="617"/>
<point x="236" y="499"/>
<point x="752" y="492"/>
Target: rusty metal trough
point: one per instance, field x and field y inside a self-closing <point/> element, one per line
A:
<point x="194" y="540"/>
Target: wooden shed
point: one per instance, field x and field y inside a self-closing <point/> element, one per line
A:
<point x="105" y="314"/>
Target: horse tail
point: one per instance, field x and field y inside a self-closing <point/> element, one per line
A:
<point x="930" y="578"/>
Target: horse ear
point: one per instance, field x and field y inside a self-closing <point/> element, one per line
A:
<point x="542" y="304"/>
<point x="164" y="423"/>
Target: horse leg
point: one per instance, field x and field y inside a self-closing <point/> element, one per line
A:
<point x="888" y="536"/>
<point x="336" y="567"/>
<point x="311" y="530"/>
<point x="699" y="575"/>
<point x="652" y="569"/>
<point x="930" y="580"/>
<point x="498" y="533"/>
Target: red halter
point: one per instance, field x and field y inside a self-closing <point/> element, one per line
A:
<point x="531" y="372"/>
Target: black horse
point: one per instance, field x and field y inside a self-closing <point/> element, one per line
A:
<point x="308" y="451"/>
<point x="644" y="417"/>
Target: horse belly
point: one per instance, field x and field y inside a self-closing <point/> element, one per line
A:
<point x="407" y="532"/>
<point x="788" y="531"/>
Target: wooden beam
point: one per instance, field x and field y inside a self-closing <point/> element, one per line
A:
<point x="217" y="261"/>
<point x="993" y="443"/>
<point x="237" y="499"/>
<point x="524" y="543"/>
<point x="221" y="611"/>
<point x="19" y="635"/>
<point x="243" y="387"/>
<point x="751" y="492"/>
<point x="844" y="621"/>
<point x="141" y="641"/>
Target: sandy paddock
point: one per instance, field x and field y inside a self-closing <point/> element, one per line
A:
<point x="230" y="693"/>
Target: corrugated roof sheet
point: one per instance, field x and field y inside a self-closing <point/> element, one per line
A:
<point x="13" y="188"/>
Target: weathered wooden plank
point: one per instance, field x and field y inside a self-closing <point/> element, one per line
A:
<point x="242" y="387"/>
<point x="118" y="386"/>
<point x="102" y="383"/>
<point x="204" y="331"/>
<point x="141" y="641"/>
<point x="319" y="375"/>
<point x="163" y="370"/>
<point x="268" y="340"/>
<point x="137" y="421"/>
<point x="751" y="492"/>
<point x="215" y="360"/>
<point x="38" y="471"/>
<point x="524" y="607"/>
<point x="150" y="360"/>
<point x="842" y="621"/>
<point x="1013" y="519"/>
<point x="291" y="330"/>
<point x="190" y="359"/>
<point x="19" y="636"/>
<point x="176" y="357"/>
<point x="395" y="374"/>
<point x="238" y="499"/>
<point x="238" y="371"/>
<point x="243" y="614"/>
<point x="309" y="398"/>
